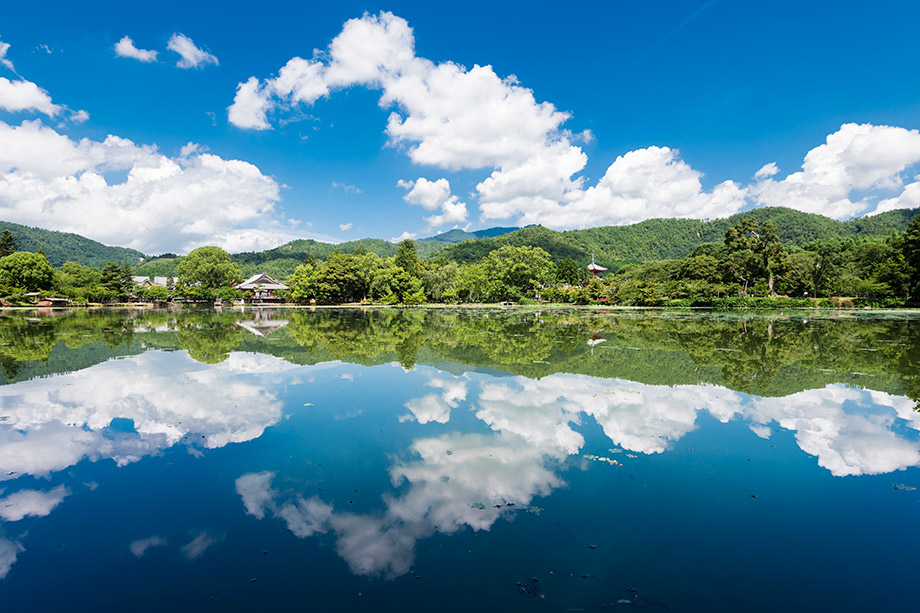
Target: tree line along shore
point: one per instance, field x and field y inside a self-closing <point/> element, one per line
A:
<point x="751" y="266"/>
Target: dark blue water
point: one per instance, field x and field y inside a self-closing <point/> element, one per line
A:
<point x="458" y="461"/>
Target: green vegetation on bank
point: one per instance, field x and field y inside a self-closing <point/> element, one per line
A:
<point x="750" y="264"/>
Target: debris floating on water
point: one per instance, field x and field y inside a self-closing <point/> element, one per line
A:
<point x="531" y="588"/>
<point x="604" y="459"/>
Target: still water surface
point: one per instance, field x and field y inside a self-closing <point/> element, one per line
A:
<point x="458" y="460"/>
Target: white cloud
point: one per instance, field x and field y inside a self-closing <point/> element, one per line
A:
<point x="436" y="407"/>
<point x="9" y="551"/>
<point x="56" y="423"/>
<point x="403" y="236"/>
<point x="26" y="96"/>
<point x="249" y="107"/>
<point x="345" y="187"/>
<point x="4" y="61"/>
<point x="125" y="48"/>
<point x="192" y="56"/>
<point x="767" y="170"/>
<point x="344" y="227"/>
<point x="428" y="408"/>
<point x="433" y="195"/>
<point x="457" y="118"/>
<point x="852" y="432"/>
<point x="198" y="545"/>
<point x="164" y="204"/>
<point x="855" y="159"/>
<point x="139" y="548"/>
<point x="907" y="199"/>
<point x="448" y="473"/>
<point x="80" y="116"/>
<point x="429" y="194"/>
<point x="31" y="503"/>
<point x="451" y="117"/>
<point x="256" y="493"/>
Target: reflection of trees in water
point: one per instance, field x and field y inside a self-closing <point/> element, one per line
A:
<point x="208" y="338"/>
<point x="765" y="355"/>
<point x="476" y="338"/>
<point x="25" y="338"/>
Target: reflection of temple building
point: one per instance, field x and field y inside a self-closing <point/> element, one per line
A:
<point x="261" y="286"/>
<point x="263" y="323"/>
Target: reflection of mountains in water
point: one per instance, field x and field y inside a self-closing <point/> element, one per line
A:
<point x="771" y="355"/>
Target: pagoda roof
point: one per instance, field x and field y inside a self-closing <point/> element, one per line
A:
<point x="598" y="268"/>
<point x="260" y="281"/>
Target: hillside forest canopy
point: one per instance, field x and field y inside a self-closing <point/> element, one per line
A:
<point x="751" y="264"/>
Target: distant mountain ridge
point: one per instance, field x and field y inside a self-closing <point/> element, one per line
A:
<point x="658" y="239"/>
<point x="611" y="246"/>
<point x="61" y="247"/>
<point x="458" y="236"/>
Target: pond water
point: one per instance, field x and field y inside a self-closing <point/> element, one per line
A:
<point x="511" y="460"/>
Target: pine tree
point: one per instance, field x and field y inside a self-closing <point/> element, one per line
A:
<point x="8" y="243"/>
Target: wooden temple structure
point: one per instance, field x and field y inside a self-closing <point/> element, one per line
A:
<point x="261" y="286"/>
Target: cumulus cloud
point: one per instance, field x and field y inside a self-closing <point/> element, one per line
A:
<point x="907" y="199"/>
<point x="56" y="423"/>
<point x="432" y="195"/>
<point x="249" y="106"/>
<point x="255" y="491"/>
<point x="406" y="234"/>
<point x="443" y="476"/>
<point x="24" y="95"/>
<point x="850" y="431"/>
<point x="448" y="116"/>
<point x="125" y="48"/>
<point x="344" y="227"/>
<point x="31" y="503"/>
<point x="856" y="159"/>
<point x="163" y="204"/>
<point x="192" y="56"/>
<point x="436" y="407"/>
<point x="452" y="117"/>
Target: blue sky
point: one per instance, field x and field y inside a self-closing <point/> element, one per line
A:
<point x="407" y="119"/>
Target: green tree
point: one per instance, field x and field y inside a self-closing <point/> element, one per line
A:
<point x="440" y="280"/>
<point x="208" y="267"/>
<point x="513" y="272"/>
<point x="27" y="271"/>
<point x="912" y="255"/>
<point x="8" y="243"/>
<point x="754" y="251"/>
<point x="567" y="271"/>
<point x="303" y="282"/>
<point x="407" y="258"/>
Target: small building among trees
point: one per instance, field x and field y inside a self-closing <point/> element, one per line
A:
<point x="595" y="268"/>
<point x="261" y="286"/>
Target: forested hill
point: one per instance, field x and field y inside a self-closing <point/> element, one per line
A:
<point x="457" y="235"/>
<point x="60" y="247"/>
<point x="657" y="239"/>
<point x="282" y="260"/>
<point x="612" y="246"/>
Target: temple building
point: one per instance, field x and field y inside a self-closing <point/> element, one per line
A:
<point x="594" y="268"/>
<point x="261" y="286"/>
